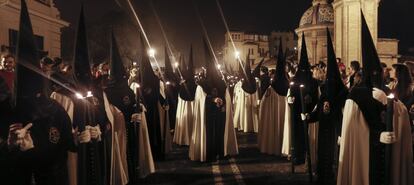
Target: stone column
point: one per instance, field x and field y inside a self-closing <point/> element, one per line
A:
<point x="348" y="26"/>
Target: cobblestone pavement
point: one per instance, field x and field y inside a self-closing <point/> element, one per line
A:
<point x="249" y="167"/>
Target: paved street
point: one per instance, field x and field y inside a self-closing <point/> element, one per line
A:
<point x="249" y="167"/>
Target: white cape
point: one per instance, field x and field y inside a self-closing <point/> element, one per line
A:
<point x="272" y="117"/>
<point x="236" y="104"/>
<point x="247" y="118"/>
<point x="353" y="166"/>
<point x="197" y="150"/>
<point x="146" y="162"/>
<point x="184" y="122"/>
<point x="287" y="129"/>
<point x="230" y="139"/>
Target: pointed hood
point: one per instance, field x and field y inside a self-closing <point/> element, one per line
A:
<point x="81" y="67"/>
<point x="256" y="71"/>
<point x="189" y="73"/>
<point x="27" y="83"/>
<point x="190" y="69"/>
<point x="169" y="73"/>
<point x="117" y="73"/>
<point x="280" y="82"/>
<point x="303" y="73"/>
<point x="372" y="70"/>
<point x="213" y="76"/>
<point x="249" y="83"/>
<point x="334" y="84"/>
<point x="150" y="83"/>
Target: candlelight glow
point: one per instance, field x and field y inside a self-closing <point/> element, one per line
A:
<point x="151" y="52"/>
<point x="237" y="54"/>
<point x="176" y="64"/>
<point x="292" y="83"/>
<point x="89" y="94"/>
<point x="78" y="96"/>
<point x="302" y="86"/>
<point x="391" y="96"/>
<point x="167" y="83"/>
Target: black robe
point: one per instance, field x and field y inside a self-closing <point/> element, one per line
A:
<point x="52" y="139"/>
<point x="330" y="125"/>
<point x="94" y="157"/>
<point x="310" y="91"/>
<point x="215" y="124"/>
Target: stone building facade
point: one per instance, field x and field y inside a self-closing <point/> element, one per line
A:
<point x="46" y="22"/>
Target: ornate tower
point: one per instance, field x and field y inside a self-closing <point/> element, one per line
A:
<point x="347" y="26"/>
<point x="313" y="24"/>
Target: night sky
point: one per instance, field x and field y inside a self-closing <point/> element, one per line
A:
<point x="182" y="26"/>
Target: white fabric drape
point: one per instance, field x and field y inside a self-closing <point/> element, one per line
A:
<point x="184" y="122"/>
<point x="197" y="150"/>
<point x="271" y="122"/>
<point x="230" y="139"/>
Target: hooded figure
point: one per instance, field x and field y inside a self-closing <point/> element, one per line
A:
<point x="39" y="128"/>
<point x="123" y="106"/>
<point x="303" y="76"/>
<point x="328" y="113"/>
<point x="95" y="157"/>
<point x="171" y="88"/>
<point x="207" y="141"/>
<point x="247" y="102"/>
<point x="185" y="113"/>
<point x="150" y="88"/>
<point x="363" y="129"/>
<point x="272" y="110"/>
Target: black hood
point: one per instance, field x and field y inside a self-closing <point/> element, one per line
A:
<point x="334" y="84"/>
<point x="249" y="83"/>
<point x="372" y="71"/>
<point x="303" y="74"/>
<point x="81" y="66"/>
<point x="280" y="81"/>
<point x="28" y="82"/>
<point x="117" y="74"/>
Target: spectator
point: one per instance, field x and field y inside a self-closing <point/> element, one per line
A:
<point x="7" y="73"/>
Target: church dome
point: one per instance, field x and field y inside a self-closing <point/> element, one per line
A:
<point x="320" y="13"/>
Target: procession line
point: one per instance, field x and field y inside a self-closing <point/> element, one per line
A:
<point x="236" y="171"/>
<point x="218" y="179"/>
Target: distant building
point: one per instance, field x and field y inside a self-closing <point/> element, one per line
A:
<point x="289" y="42"/>
<point x="254" y="43"/>
<point x="46" y="22"/>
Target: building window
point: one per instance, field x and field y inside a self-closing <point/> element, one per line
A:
<point x="13" y="39"/>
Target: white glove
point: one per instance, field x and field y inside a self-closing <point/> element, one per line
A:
<point x="95" y="132"/>
<point x="387" y="137"/>
<point x="304" y="116"/>
<point x="24" y="139"/>
<point x="85" y="136"/>
<point x="136" y="117"/>
<point x="339" y="140"/>
<point x="258" y="103"/>
<point x="291" y="99"/>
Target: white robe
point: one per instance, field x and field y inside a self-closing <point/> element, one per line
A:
<point x="146" y="162"/>
<point x="230" y="139"/>
<point x="197" y="150"/>
<point x="287" y="130"/>
<point x="271" y="122"/>
<point x="353" y="166"/>
<point x="247" y="119"/>
<point x="236" y="104"/>
<point x="184" y="122"/>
